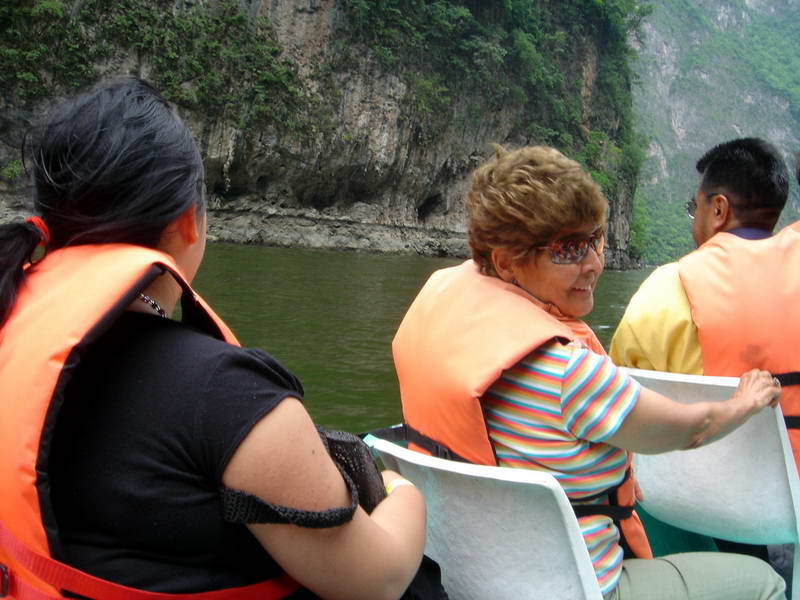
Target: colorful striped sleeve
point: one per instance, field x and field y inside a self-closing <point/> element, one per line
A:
<point x="596" y="396"/>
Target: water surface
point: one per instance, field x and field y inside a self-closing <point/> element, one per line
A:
<point x="330" y="318"/>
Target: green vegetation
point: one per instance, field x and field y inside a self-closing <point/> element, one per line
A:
<point x="660" y="232"/>
<point x="42" y="47"/>
<point x="211" y="58"/>
<point x="208" y="57"/>
<point x="771" y="49"/>
<point x="724" y="68"/>
<point x="518" y="53"/>
<point x="763" y="53"/>
<point x="11" y="171"/>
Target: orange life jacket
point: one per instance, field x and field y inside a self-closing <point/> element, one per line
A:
<point x="67" y="301"/>
<point x="459" y="335"/>
<point x="743" y="295"/>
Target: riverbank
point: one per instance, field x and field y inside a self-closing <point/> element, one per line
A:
<point x="291" y="227"/>
<point x="13" y="207"/>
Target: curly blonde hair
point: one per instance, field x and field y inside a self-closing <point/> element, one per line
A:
<point x="522" y="198"/>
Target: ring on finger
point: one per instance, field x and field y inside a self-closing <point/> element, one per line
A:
<point x="776" y="382"/>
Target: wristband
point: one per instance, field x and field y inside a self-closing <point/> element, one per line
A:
<point x="396" y="483"/>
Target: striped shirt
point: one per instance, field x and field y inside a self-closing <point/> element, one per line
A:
<point x="551" y="412"/>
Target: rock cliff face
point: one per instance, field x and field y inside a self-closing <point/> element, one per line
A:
<point x="365" y="185"/>
<point x="711" y="71"/>
<point x="371" y="184"/>
<point x="373" y="180"/>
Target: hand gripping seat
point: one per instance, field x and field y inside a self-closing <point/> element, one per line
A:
<point x="742" y="488"/>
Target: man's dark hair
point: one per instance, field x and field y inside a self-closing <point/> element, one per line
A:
<point x="752" y="174"/>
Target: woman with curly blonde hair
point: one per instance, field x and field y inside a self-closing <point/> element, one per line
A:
<point x="496" y="367"/>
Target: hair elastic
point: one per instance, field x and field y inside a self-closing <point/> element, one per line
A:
<point x="44" y="230"/>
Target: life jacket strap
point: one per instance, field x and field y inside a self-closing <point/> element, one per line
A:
<point x="406" y="433"/>
<point x="787" y="379"/>
<point x="617" y="513"/>
<point x="64" y="577"/>
<point x="613" y="509"/>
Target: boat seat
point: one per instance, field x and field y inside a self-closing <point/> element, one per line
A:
<point x="742" y="488"/>
<point x="500" y="533"/>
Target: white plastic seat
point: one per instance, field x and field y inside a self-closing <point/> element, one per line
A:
<point x="742" y="488"/>
<point x="497" y="533"/>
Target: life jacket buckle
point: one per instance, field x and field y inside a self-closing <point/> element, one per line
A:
<point x="440" y="451"/>
<point x="5" y="581"/>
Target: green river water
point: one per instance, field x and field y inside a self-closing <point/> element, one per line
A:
<point x="330" y="318"/>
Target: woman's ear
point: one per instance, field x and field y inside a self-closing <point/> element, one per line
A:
<point x="188" y="224"/>
<point x="503" y="263"/>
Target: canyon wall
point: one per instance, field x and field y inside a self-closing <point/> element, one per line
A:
<point x="710" y="71"/>
<point x="381" y="158"/>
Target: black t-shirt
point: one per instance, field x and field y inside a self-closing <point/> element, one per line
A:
<point x="149" y="422"/>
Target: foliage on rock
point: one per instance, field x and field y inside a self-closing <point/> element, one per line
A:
<point x="515" y="53"/>
<point x="206" y="57"/>
<point x="723" y="69"/>
<point x="543" y="72"/>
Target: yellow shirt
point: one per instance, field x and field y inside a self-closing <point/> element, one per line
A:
<point x="657" y="331"/>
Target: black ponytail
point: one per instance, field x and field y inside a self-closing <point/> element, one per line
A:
<point x="18" y="242"/>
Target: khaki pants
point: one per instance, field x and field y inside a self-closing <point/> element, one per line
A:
<point x="698" y="576"/>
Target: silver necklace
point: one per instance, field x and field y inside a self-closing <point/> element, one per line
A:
<point x="153" y="304"/>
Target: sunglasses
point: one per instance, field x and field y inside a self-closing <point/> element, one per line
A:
<point x="691" y="205"/>
<point x="572" y="249"/>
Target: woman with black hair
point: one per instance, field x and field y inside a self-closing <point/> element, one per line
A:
<point x="154" y="454"/>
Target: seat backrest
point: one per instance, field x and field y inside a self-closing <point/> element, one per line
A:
<point x="500" y="533"/>
<point x="743" y="487"/>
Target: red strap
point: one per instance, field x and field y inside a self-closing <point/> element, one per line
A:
<point x="62" y="576"/>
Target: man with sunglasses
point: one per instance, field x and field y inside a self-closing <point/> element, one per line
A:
<point x="739" y="272"/>
<point x="728" y="306"/>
